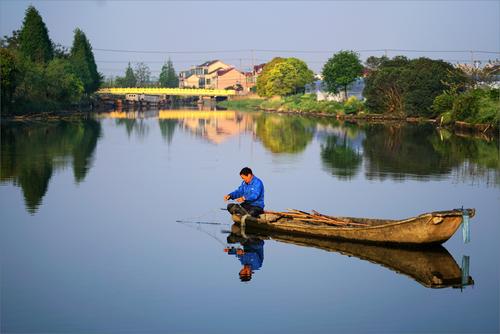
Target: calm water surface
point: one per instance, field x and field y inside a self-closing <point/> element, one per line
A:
<point x="90" y="241"/>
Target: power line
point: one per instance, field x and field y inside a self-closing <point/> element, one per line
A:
<point x="291" y="51"/>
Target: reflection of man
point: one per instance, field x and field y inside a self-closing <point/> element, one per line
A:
<point x="250" y="193"/>
<point x="251" y="256"/>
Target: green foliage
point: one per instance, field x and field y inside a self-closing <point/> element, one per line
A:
<point x="31" y="88"/>
<point x="39" y="76"/>
<point x="305" y="75"/>
<point x="168" y="77"/>
<point x="142" y="74"/>
<point x="408" y="87"/>
<point x="283" y="76"/>
<point x="443" y="103"/>
<point x="264" y="76"/>
<point x="249" y="104"/>
<point x="129" y="80"/>
<point x="373" y="63"/>
<point x="306" y="103"/>
<point x="10" y="42"/>
<point x="341" y="70"/>
<point x="477" y="106"/>
<point x="282" y="79"/>
<point x="34" y="41"/>
<point x="9" y="76"/>
<point x="423" y="79"/>
<point x="62" y="84"/>
<point x="83" y="62"/>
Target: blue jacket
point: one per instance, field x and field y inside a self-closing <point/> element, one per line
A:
<point x="253" y="192"/>
<point x="254" y="255"/>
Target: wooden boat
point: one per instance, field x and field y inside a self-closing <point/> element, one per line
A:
<point x="428" y="228"/>
<point x="431" y="266"/>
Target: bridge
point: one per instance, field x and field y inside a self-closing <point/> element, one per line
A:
<point x="167" y="91"/>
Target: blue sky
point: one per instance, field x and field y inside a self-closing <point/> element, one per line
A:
<point x="229" y="30"/>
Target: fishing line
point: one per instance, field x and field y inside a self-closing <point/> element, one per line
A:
<point x="198" y="222"/>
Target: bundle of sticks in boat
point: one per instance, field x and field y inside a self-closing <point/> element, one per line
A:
<point x="316" y="217"/>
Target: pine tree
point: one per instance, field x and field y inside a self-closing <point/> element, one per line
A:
<point x="83" y="61"/>
<point x="130" y="79"/>
<point x="34" y="41"/>
<point x="168" y="77"/>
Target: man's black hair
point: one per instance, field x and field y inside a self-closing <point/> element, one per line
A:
<point x="245" y="171"/>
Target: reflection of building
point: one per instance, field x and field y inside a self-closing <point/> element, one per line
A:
<point x="214" y="126"/>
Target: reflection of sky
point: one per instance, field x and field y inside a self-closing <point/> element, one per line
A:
<point x="107" y="255"/>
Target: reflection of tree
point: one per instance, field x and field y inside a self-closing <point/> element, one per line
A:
<point x="34" y="180"/>
<point x="167" y="128"/>
<point x="82" y="152"/>
<point x="134" y="125"/>
<point x="342" y="160"/>
<point x="473" y="157"/>
<point x="31" y="152"/>
<point x="402" y="150"/>
<point x="289" y="134"/>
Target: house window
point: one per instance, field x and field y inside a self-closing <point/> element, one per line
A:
<point x="208" y="81"/>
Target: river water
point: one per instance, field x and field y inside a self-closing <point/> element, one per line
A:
<point x="113" y="223"/>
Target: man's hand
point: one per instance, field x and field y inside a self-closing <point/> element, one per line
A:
<point x="227" y="198"/>
<point x="240" y="199"/>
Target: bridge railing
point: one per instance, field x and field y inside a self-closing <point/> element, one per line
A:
<point x="167" y="91"/>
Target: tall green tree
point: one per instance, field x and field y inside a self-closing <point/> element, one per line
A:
<point x="408" y="87"/>
<point x="341" y="70"/>
<point x="306" y="76"/>
<point x="264" y="75"/>
<point x="62" y="84"/>
<point x="282" y="79"/>
<point x="83" y="61"/>
<point x="34" y="41"/>
<point x="9" y="76"/>
<point x="168" y="77"/>
<point x="284" y="76"/>
<point x="129" y="80"/>
<point x="142" y="74"/>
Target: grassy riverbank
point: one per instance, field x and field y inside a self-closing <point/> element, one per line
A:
<point x="478" y="109"/>
<point x="305" y="103"/>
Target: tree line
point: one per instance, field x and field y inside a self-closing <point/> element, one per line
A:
<point x="397" y="87"/>
<point x="140" y="76"/>
<point x="38" y="75"/>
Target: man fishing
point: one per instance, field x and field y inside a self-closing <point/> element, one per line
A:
<point x="250" y="194"/>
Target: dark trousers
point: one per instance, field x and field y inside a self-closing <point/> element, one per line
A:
<point x="245" y="208"/>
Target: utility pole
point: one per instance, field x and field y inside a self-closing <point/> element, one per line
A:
<point x="253" y="67"/>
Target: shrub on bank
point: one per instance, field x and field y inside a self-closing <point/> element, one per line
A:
<point x="476" y="106"/>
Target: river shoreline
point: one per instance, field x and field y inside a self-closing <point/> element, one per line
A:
<point x="475" y="130"/>
<point x="484" y="131"/>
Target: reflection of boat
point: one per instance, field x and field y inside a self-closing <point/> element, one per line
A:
<point x="429" y="228"/>
<point x="433" y="266"/>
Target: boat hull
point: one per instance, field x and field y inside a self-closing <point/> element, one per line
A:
<point x="429" y="228"/>
<point x="431" y="266"/>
